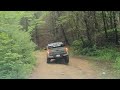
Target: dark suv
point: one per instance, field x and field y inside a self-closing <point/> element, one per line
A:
<point x="57" y="52"/>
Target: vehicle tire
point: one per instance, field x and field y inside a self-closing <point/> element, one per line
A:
<point x="67" y="60"/>
<point x="48" y="60"/>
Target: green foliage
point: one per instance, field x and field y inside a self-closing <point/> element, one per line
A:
<point x="107" y="54"/>
<point x="16" y="58"/>
<point x="16" y="48"/>
<point x="103" y="53"/>
<point x="88" y="51"/>
<point x="116" y="65"/>
<point x="62" y="20"/>
<point x="83" y="48"/>
<point x="77" y="46"/>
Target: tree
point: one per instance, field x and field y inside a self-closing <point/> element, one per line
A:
<point x="104" y="21"/>
<point x="16" y="47"/>
<point x="115" y="26"/>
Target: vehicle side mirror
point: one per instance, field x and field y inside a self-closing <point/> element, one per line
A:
<point x="63" y="45"/>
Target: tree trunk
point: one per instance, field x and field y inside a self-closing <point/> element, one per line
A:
<point x="115" y="26"/>
<point x="95" y="20"/>
<point x="105" y="28"/>
<point x="64" y="35"/>
<point x="87" y="30"/>
<point x="77" y="24"/>
<point x="106" y="20"/>
<point x="111" y="20"/>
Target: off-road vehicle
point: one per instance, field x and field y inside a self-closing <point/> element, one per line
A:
<point x="57" y="52"/>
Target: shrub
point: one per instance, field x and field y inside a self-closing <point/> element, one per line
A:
<point x="16" y="58"/>
<point x="116" y="65"/>
<point x="84" y="49"/>
<point x="104" y="53"/>
<point x="77" y="46"/>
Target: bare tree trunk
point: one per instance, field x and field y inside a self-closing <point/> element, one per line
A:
<point x="64" y="35"/>
<point x="95" y="20"/>
<point x="106" y="20"/>
<point x="111" y="20"/>
<point x="77" y="24"/>
<point x="87" y="30"/>
<point x="78" y="29"/>
<point x="62" y="29"/>
<point x="115" y="26"/>
<point x="37" y="37"/>
<point x="105" y="28"/>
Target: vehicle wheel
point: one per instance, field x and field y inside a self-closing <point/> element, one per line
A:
<point x="48" y="60"/>
<point x="67" y="60"/>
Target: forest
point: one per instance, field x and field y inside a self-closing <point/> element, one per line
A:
<point x="89" y="33"/>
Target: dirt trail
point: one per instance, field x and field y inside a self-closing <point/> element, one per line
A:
<point x="77" y="69"/>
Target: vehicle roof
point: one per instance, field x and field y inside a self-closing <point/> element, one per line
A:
<point x="55" y="44"/>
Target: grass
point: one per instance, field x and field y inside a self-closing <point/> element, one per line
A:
<point x="105" y="60"/>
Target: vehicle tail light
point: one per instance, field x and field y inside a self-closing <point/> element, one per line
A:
<point x="66" y="49"/>
<point x="48" y="51"/>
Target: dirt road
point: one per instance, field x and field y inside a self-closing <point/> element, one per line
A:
<point x="77" y="69"/>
